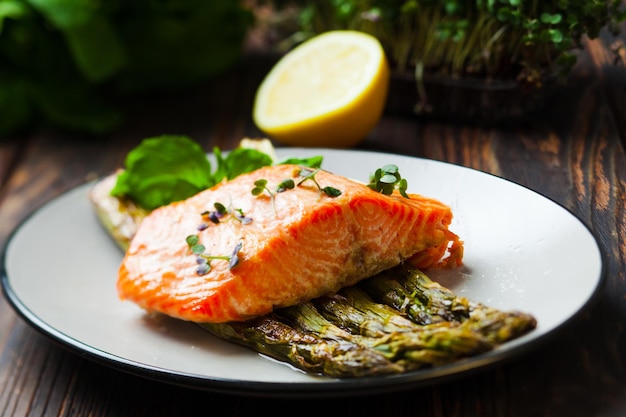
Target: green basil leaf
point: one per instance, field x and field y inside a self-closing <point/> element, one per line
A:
<point x="239" y="161"/>
<point x="312" y="162"/>
<point x="164" y="169"/>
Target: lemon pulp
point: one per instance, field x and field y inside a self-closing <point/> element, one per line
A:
<point x="329" y="91"/>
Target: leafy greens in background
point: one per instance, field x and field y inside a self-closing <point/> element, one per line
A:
<point x="526" y="40"/>
<point x="57" y="57"/>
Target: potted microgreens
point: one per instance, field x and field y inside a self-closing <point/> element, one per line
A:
<point x="482" y="60"/>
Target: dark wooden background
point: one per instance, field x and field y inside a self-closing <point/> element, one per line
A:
<point x="572" y="152"/>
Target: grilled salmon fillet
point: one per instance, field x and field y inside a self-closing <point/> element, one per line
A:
<point x="276" y="249"/>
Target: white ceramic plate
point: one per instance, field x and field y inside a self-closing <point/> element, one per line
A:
<point x="60" y="270"/>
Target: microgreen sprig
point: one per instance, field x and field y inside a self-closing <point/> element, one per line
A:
<point x="387" y="179"/>
<point x="204" y="260"/>
<point x="239" y="215"/>
<point x="260" y="186"/>
<point x="215" y="215"/>
<point x="309" y="175"/>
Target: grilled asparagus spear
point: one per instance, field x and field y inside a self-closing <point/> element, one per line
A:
<point x="306" y="351"/>
<point x="375" y="338"/>
<point x="418" y="297"/>
<point x="394" y="322"/>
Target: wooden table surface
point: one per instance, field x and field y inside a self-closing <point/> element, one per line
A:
<point x="573" y="153"/>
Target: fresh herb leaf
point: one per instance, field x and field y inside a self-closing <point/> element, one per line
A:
<point x="239" y="215"/>
<point x="193" y="243"/>
<point x="204" y="260"/>
<point x="170" y="168"/>
<point x="331" y="191"/>
<point x="221" y="211"/>
<point x="239" y="161"/>
<point x="312" y="162"/>
<point x="164" y="169"/>
<point x="215" y="215"/>
<point x="309" y="175"/>
<point x="285" y="185"/>
<point x="260" y="186"/>
<point x="387" y="179"/>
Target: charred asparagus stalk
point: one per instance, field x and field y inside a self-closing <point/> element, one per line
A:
<point x="307" y="351"/>
<point x="499" y="326"/>
<point x="378" y="338"/>
<point x="411" y="347"/>
<point x="354" y="311"/>
<point x="415" y="295"/>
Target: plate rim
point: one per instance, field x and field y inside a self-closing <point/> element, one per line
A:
<point x="331" y="388"/>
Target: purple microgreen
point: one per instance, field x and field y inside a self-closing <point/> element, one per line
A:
<point x="204" y="260"/>
<point x="203" y="269"/>
<point x="203" y="266"/>
<point x="234" y="257"/>
<point x="242" y="217"/>
<point x="221" y="211"/>
<point x="215" y="215"/>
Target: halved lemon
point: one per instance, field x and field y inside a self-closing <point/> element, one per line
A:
<point x="330" y="91"/>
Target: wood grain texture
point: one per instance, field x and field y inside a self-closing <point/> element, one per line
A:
<point x="572" y="152"/>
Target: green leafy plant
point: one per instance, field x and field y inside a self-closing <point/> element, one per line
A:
<point x="68" y="63"/>
<point x="204" y="260"/>
<point x="387" y="179"/>
<point x="506" y="39"/>
<point x="260" y="186"/>
<point x="307" y="174"/>
<point x="169" y="168"/>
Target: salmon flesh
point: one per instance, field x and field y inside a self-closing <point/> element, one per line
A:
<point x="226" y="254"/>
